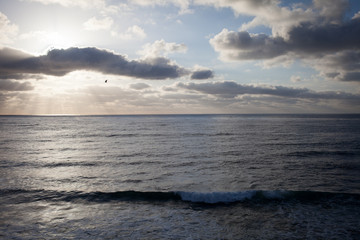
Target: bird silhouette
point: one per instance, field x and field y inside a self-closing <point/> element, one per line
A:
<point x="106" y="81"/>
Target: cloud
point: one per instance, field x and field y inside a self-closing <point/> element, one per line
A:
<point x="295" y="78"/>
<point x="7" y="29"/>
<point x="234" y="46"/>
<point x="59" y="62"/>
<point x="8" y="55"/>
<point x="72" y="3"/>
<point x="95" y="24"/>
<point x="9" y="85"/>
<point x="304" y="40"/>
<point x="110" y="99"/>
<point x="331" y="11"/>
<point x="139" y="86"/>
<point x="201" y="74"/>
<point x="229" y="89"/>
<point x="182" y="4"/>
<point x="342" y="66"/>
<point x="133" y="32"/>
<point x="266" y="12"/>
<point x="356" y="16"/>
<point x="248" y="7"/>
<point x="314" y="39"/>
<point x="102" y="6"/>
<point x="161" y="48"/>
<point x="280" y="18"/>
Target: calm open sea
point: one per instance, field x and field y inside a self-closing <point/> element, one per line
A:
<point x="180" y="177"/>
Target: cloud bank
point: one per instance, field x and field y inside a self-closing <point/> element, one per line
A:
<point x="230" y="89"/>
<point x="59" y="62"/>
<point x="190" y="97"/>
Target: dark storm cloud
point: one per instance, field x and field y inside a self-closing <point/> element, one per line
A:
<point x="202" y="74"/>
<point x="232" y="89"/>
<point x="59" y="62"/>
<point x="8" y="85"/>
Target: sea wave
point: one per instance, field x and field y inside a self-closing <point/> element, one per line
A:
<point x="256" y="196"/>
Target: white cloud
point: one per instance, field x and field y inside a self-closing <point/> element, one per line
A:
<point x="133" y="32"/>
<point x="357" y="15"/>
<point x="73" y="3"/>
<point x="7" y="29"/>
<point x="182" y="4"/>
<point x="95" y="24"/>
<point x="295" y="78"/>
<point x="161" y="48"/>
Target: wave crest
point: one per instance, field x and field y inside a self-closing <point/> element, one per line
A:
<point x="194" y="197"/>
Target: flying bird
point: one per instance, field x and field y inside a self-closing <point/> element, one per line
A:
<point x="106" y="81"/>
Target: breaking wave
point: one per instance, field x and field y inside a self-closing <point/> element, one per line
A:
<point x="258" y="196"/>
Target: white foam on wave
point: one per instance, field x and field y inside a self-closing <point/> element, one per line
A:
<point x="216" y="197"/>
<point x="229" y="197"/>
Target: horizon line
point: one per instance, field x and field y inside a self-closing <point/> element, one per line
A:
<point x="169" y="114"/>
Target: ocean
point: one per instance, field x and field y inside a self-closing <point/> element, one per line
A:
<point x="180" y="177"/>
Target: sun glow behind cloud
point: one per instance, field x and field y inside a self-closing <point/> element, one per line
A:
<point x="50" y="40"/>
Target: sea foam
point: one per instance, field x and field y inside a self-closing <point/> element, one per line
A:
<point x="216" y="197"/>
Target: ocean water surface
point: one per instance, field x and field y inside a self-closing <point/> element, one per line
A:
<point x="180" y="177"/>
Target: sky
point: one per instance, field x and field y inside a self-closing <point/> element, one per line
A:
<point x="179" y="56"/>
